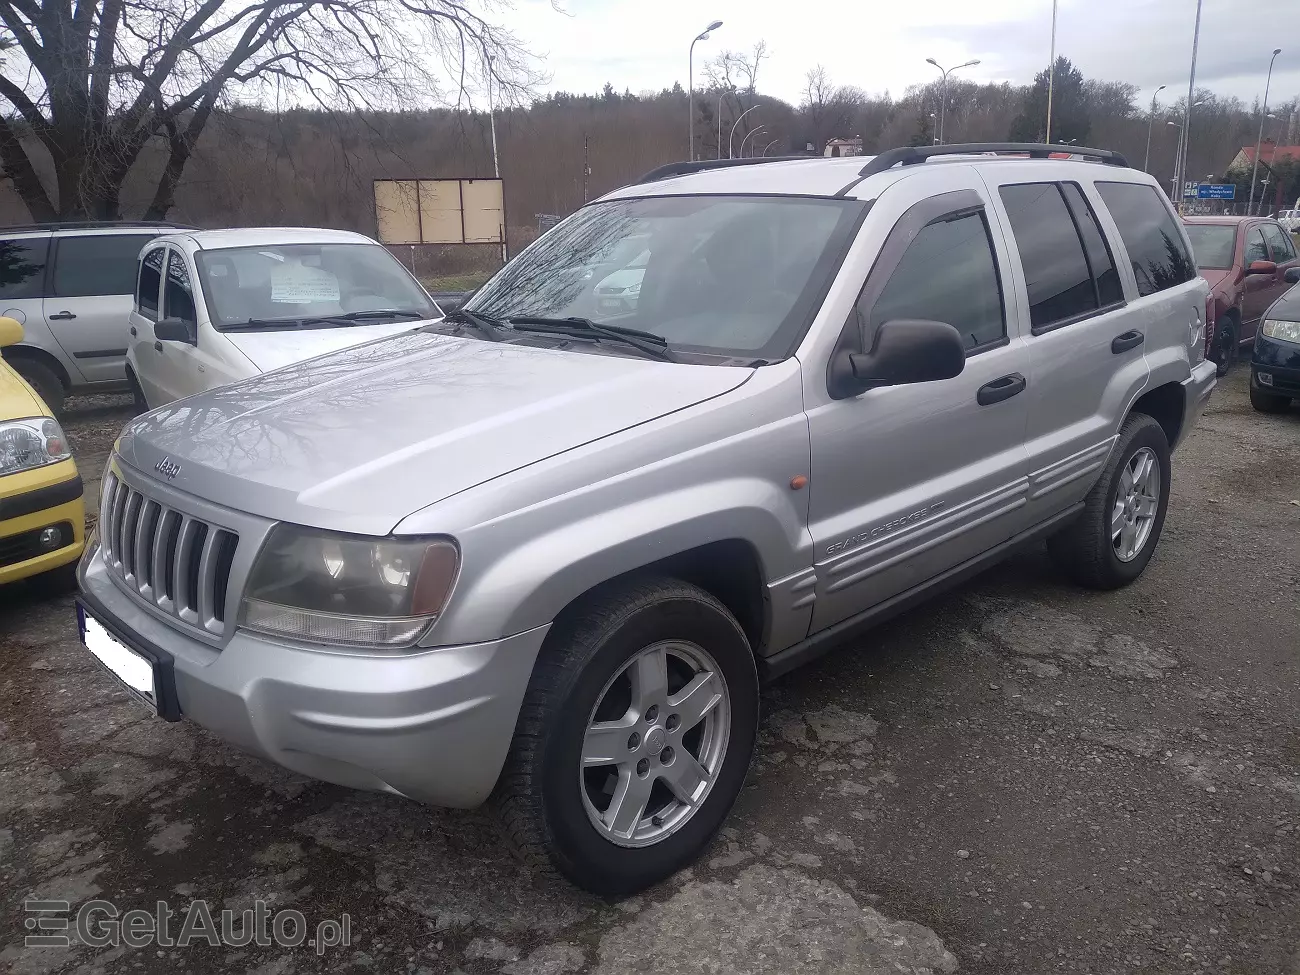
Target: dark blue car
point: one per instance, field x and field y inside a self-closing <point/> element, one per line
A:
<point x="1275" y="364"/>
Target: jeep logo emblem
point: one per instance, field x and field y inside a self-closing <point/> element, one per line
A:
<point x="168" y="468"/>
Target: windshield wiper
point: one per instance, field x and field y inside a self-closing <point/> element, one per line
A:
<point x="647" y="342"/>
<point x="357" y="316"/>
<point x="315" y="321"/>
<point x="489" y="327"/>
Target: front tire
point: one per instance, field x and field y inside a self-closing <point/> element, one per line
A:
<point x="634" y="738"/>
<point x="141" y="405"/>
<point x="1268" y="402"/>
<point x="1226" y="346"/>
<point x="1114" y="538"/>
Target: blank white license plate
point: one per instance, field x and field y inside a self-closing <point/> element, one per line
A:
<point x="128" y="666"/>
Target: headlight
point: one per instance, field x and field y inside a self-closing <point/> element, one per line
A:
<point x="25" y="444"/>
<point x="634" y="289"/>
<point x="1282" y="331"/>
<point x="348" y="590"/>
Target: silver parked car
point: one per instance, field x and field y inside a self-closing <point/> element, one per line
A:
<point x="70" y="286"/>
<point x="525" y="555"/>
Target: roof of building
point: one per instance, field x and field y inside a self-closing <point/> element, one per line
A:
<point x="1268" y="152"/>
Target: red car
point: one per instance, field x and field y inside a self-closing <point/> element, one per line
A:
<point x="1245" y="260"/>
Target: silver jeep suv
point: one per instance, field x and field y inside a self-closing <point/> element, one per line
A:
<point x="544" y="555"/>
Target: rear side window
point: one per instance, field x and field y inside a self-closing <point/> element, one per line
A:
<point x="947" y="274"/>
<point x="146" y="294"/>
<point x="22" y="267"/>
<point x="1256" y="249"/>
<point x="1146" y="226"/>
<point x="1279" y="243"/>
<point x="96" y="265"/>
<point x="178" y="296"/>
<point x="1056" y="269"/>
<point x="1100" y="260"/>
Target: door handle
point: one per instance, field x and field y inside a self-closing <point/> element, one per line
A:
<point x="157" y="346"/>
<point x="133" y="331"/>
<point x="1129" y="340"/>
<point x="62" y="316"/>
<point x="1000" y="389"/>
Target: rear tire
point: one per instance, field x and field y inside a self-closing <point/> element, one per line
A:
<point x="1268" y="402"/>
<point x="41" y="378"/>
<point x="1226" y="345"/>
<point x="1117" y="511"/>
<point x="596" y="675"/>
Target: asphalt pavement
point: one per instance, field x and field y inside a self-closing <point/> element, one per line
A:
<point x="1019" y="777"/>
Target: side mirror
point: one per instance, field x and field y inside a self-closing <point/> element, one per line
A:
<point x="174" y="330"/>
<point x="905" y="351"/>
<point x="1262" y="267"/>
<point x="1292" y="275"/>
<point x="11" y="332"/>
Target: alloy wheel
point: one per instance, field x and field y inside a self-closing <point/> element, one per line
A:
<point x="1137" y="500"/>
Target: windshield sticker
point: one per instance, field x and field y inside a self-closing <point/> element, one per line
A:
<point x="297" y="284"/>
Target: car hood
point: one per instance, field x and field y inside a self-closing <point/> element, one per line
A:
<point x="358" y="440"/>
<point x="1219" y="279"/>
<point x="1286" y="308"/>
<point x="272" y="350"/>
<point x="624" y="278"/>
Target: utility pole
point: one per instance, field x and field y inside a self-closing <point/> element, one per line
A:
<point x="1151" y="120"/>
<point x="1181" y="167"/>
<point x="586" y="166"/>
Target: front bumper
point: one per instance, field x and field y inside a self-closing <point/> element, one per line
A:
<point x="23" y="516"/>
<point x="433" y="725"/>
<point x="1196" y="393"/>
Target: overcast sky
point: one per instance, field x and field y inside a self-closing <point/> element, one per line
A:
<point x="641" y="45"/>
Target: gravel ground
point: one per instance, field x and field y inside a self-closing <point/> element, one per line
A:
<point x="1019" y="777"/>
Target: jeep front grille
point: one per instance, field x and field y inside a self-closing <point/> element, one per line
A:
<point x="176" y="562"/>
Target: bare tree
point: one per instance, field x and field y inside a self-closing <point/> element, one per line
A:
<point x="737" y="70"/>
<point x="97" y="81"/>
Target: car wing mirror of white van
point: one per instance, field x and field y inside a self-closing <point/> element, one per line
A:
<point x="175" y="330"/>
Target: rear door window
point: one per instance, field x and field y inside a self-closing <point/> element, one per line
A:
<point x="96" y="264"/>
<point x="1155" y="246"/>
<point x="22" y="267"/>
<point x="1057" y="275"/>
<point x="1100" y="259"/>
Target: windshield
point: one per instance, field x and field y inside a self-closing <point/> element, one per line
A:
<point x="1213" y="246"/>
<point x="734" y="276"/>
<point x="292" y="282"/>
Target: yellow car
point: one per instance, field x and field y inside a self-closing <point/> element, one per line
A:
<point x="42" y="518"/>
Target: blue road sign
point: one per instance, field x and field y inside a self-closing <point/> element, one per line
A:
<point x="1216" y="191"/>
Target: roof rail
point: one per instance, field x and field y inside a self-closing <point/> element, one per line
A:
<point x="684" y="168"/>
<point x="99" y="225"/>
<point x="911" y="155"/>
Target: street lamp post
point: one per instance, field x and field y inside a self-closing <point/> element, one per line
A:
<point x="768" y="146"/>
<point x="1173" y="182"/>
<point x="720" y="98"/>
<point x="690" y="85"/>
<point x="1254" y="171"/>
<point x="732" y="138"/>
<point x="747" y="137"/>
<point x="1151" y="120"/>
<point x="944" y="106"/>
<point x="1191" y="93"/>
<point x="1051" y="76"/>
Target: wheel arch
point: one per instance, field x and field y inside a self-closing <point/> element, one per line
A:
<point x="38" y="355"/>
<point x="1166" y="405"/>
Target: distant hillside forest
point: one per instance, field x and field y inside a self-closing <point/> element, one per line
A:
<point x="302" y="167"/>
